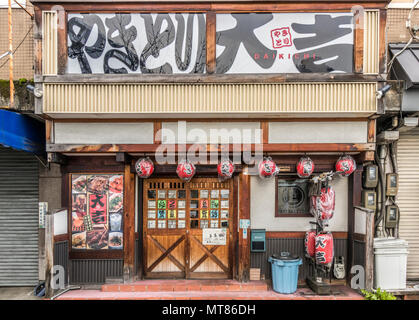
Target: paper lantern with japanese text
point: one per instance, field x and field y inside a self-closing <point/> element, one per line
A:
<point x="305" y="167"/>
<point x="185" y="170"/>
<point x="326" y="204"/>
<point x="267" y="168"/>
<point x="324" y="248"/>
<point x="309" y="243"/>
<point x="345" y="165"/>
<point x="144" y="167"/>
<point x="225" y="169"/>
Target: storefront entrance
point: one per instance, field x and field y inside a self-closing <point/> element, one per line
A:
<point x="180" y="220"/>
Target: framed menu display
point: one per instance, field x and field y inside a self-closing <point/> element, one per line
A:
<point x="97" y="211"/>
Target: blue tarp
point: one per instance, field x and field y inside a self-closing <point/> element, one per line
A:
<point x="21" y="132"/>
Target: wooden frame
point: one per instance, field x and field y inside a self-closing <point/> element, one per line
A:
<point x="285" y="215"/>
<point x="210" y="8"/>
<point x="271" y="147"/>
<point x="186" y="236"/>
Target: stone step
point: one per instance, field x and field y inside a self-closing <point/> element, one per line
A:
<point x="187" y="285"/>
<point x="345" y="293"/>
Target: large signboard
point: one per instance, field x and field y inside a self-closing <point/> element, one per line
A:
<point x="136" y="43"/>
<point x="175" y="43"/>
<point x="97" y="211"/>
<point x="284" y="42"/>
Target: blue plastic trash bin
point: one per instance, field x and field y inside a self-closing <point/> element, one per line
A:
<point x="285" y="272"/>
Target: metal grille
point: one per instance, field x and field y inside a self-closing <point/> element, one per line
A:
<point x="84" y="98"/>
<point x="371" y="41"/>
<point x="408" y="197"/>
<point x="18" y="218"/>
<point x="49" y="43"/>
<point x="95" y="271"/>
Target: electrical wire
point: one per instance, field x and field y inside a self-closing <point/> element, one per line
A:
<point x="21" y="42"/>
<point x="412" y="37"/>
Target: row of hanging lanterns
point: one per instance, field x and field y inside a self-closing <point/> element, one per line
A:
<point x="267" y="168"/>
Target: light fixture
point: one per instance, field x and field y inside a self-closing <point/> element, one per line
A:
<point x="36" y="92"/>
<point x="382" y="92"/>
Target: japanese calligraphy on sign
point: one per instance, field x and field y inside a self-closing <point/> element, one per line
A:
<point x="215" y="237"/>
<point x="175" y="43"/>
<point x="160" y="43"/>
<point x="284" y="43"/>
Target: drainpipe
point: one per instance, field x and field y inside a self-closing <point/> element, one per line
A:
<point x="12" y="87"/>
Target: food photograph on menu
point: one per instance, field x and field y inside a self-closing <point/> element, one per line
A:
<point x="97" y="211"/>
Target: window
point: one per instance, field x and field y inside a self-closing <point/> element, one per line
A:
<point x="292" y="197"/>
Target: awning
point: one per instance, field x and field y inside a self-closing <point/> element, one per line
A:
<point x="21" y="132"/>
<point x="406" y="65"/>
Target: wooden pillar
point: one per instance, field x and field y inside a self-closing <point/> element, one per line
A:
<point x="354" y="199"/>
<point x="49" y="253"/>
<point x="244" y="238"/>
<point x="369" y="251"/>
<point x="129" y="224"/>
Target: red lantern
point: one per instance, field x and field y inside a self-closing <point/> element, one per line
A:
<point x="144" y="167"/>
<point x="309" y="243"/>
<point x="324" y="248"/>
<point x="305" y="167"/>
<point x="323" y="206"/>
<point x="345" y="165"/>
<point x="326" y="204"/>
<point x="267" y="168"/>
<point x="225" y="169"/>
<point x="185" y="170"/>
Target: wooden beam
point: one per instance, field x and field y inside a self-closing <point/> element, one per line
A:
<point x="244" y="234"/>
<point x="62" y="42"/>
<point x="371" y="130"/>
<point x="211" y="42"/>
<point x="211" y="78"/>
<point x="271" y="147"/>
<point x="129" y="225"/>
<point x="359" y="42"/>
<point x="48" y="131"/>
<point x="37" y="36"/>
<point x="354" y="199"/>
<point x="382" y="41"/>
<point x="122" y="157"/>
<point x="369" y="252"/>
<point x="54" y="157"/>
<point x="207" y="5"/>
<point x="157" y="132"/>
<point x="299" y="235"/>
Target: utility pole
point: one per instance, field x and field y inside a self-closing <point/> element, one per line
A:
<point x="12" y="87"/>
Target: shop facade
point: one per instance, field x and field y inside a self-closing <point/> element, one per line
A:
<point x="203" y="82"/>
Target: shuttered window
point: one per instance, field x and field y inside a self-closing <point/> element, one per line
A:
<point x="18" y="218"/>
<point x="408" y="197"/>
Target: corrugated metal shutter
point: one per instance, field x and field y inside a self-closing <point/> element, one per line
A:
<point x="408" y="197"/>
<point x="18" y="218"/>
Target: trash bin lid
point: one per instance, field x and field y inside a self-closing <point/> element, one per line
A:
<point x="285" y="256"/>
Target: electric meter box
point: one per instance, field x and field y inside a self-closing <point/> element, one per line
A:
<point x="370" y="176"/>
<point x="392" y="184"/>
<point x="258" y="240"/>
<point x="392" y="216"/>
<point x="369" y="199"/>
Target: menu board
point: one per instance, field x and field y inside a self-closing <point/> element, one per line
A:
<point x="97" y="211"/>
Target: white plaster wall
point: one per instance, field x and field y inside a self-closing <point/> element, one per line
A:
<point x="262" y="208"/>
<point x="199" y="132"/>
<point x="103" y="133"/>
<point x="318" y="132"/>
